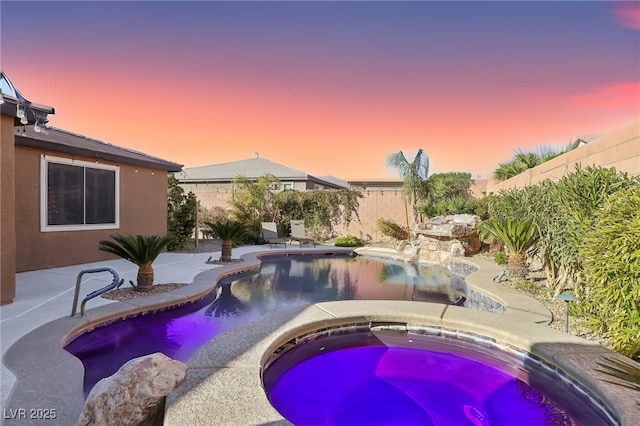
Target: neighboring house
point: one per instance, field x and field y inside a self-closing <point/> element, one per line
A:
<point x="221" y="176"/>
<point x="585" y="139"/>
<point x="213" y="186"/>
<point x="61" y="193"/>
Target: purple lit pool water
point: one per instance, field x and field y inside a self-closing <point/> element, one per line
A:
<point x="391" y="378"/>
<point x="279" y="284"/>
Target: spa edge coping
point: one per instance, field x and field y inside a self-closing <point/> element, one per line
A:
<point x="49" y="376"/>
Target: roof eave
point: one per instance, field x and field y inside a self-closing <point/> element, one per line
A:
<point x="74" y="150"/>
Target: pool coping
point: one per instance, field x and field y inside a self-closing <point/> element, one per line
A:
<point x="232" y="371"/>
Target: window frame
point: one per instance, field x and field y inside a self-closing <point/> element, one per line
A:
<point x="44" y="202"/>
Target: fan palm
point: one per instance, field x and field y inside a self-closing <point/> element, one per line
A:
<point x="139" y="249"/>
<point x="414" y="175"/>
<point x="518" y="236"/>
<point x="227" y="231"/>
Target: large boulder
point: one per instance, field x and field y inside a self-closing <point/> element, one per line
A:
<point x="135" y="394"/>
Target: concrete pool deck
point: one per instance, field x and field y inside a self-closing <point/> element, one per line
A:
<point x="42" y="375"/>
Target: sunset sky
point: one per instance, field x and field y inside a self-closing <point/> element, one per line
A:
<point x="329" y="88"/>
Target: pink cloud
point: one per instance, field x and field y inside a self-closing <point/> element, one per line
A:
<point x="612" y="96"/>
<point x="627" y="14"/>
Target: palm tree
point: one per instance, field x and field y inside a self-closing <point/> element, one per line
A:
<point x="227" y="231"/>
<point x="141" y="250"/>
<point x="414" y="175"/>
<point x="518" y="236"/>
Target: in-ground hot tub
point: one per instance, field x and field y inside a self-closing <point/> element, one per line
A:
<point x="391" y="374"/>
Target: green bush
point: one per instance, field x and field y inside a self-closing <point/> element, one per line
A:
<point x="500" y="258"/>
<point x="181" y="214"/>
<point x="348" y="241"/>
<point x="391" y="229"/>
<point x="611" y="255"/>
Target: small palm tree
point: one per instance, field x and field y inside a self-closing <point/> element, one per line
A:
<point x="518" y="236"/>
<point x="139" y="249"/>
<point x="227" y="231"/>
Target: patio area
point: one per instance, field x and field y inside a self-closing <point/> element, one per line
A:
<point x="45" y="376"/>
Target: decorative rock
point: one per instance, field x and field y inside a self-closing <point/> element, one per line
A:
<point x="438" y="220"/>
<point x="134" y="395"/>
<point x="401" y="246"/>
<point x="411" y="250"/>
<point x="456" y="249"/>
<point x="430" y="256"/>
<point x="472" y="246"/>
<point x="467" y="219"/>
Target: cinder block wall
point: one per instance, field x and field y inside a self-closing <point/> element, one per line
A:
<point x="375" y="204"/>
<point x="619" y="149"/>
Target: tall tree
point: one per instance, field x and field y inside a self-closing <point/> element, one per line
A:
<point x="414" y="175"/>
<point x="252" y="200"/>
<point x="181" y="214"/>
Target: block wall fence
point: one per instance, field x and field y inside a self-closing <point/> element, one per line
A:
<point x="619" y="149"/>
<point x="375" y="204"/>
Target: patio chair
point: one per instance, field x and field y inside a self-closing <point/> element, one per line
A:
<point x="270" y="234"/>
<point x="298" y="233"/>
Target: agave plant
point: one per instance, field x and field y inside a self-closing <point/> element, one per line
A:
<point x="139" y="249"/>
<point x="518" y="236"/>
<point x="227" y="231"/>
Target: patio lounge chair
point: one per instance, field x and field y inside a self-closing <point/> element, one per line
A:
<point x="298" y="233"/>
<point x="270" y="234"/>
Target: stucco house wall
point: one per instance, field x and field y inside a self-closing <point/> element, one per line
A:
<point x="619" y="149"/>
<point x="143" y="210"/>
<point x="7" y="212"/>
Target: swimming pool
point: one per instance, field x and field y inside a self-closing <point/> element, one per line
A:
<point x="287" y="282"/>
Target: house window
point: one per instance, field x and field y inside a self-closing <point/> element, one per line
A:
<point x="78" y="195"/>
<point x="287" y="185"/>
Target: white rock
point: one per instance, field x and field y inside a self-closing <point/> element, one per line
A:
<point x="134" y="393"/>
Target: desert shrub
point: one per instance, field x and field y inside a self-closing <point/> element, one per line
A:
<point x="391" y="229"/>
<point x="611" y="256"/>
<point x="447" y="193"/>
<point x="348" y="241"/>
<point x="320" y="209"/>
<point x="213" y="214"/>
<point x="518" y="236"/>
<point x="500" y="258"/>
<point x="560" y="211"/>
<point x="481" y="207"/>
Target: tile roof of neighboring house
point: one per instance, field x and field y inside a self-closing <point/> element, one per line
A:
<point x="252" y="168"/>
<point x="335" y="180"/>
<point x="70" y="143"/>
<point x="589" y="138"/>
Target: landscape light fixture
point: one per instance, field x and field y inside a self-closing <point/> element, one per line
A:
<point x="567" y="297"/>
